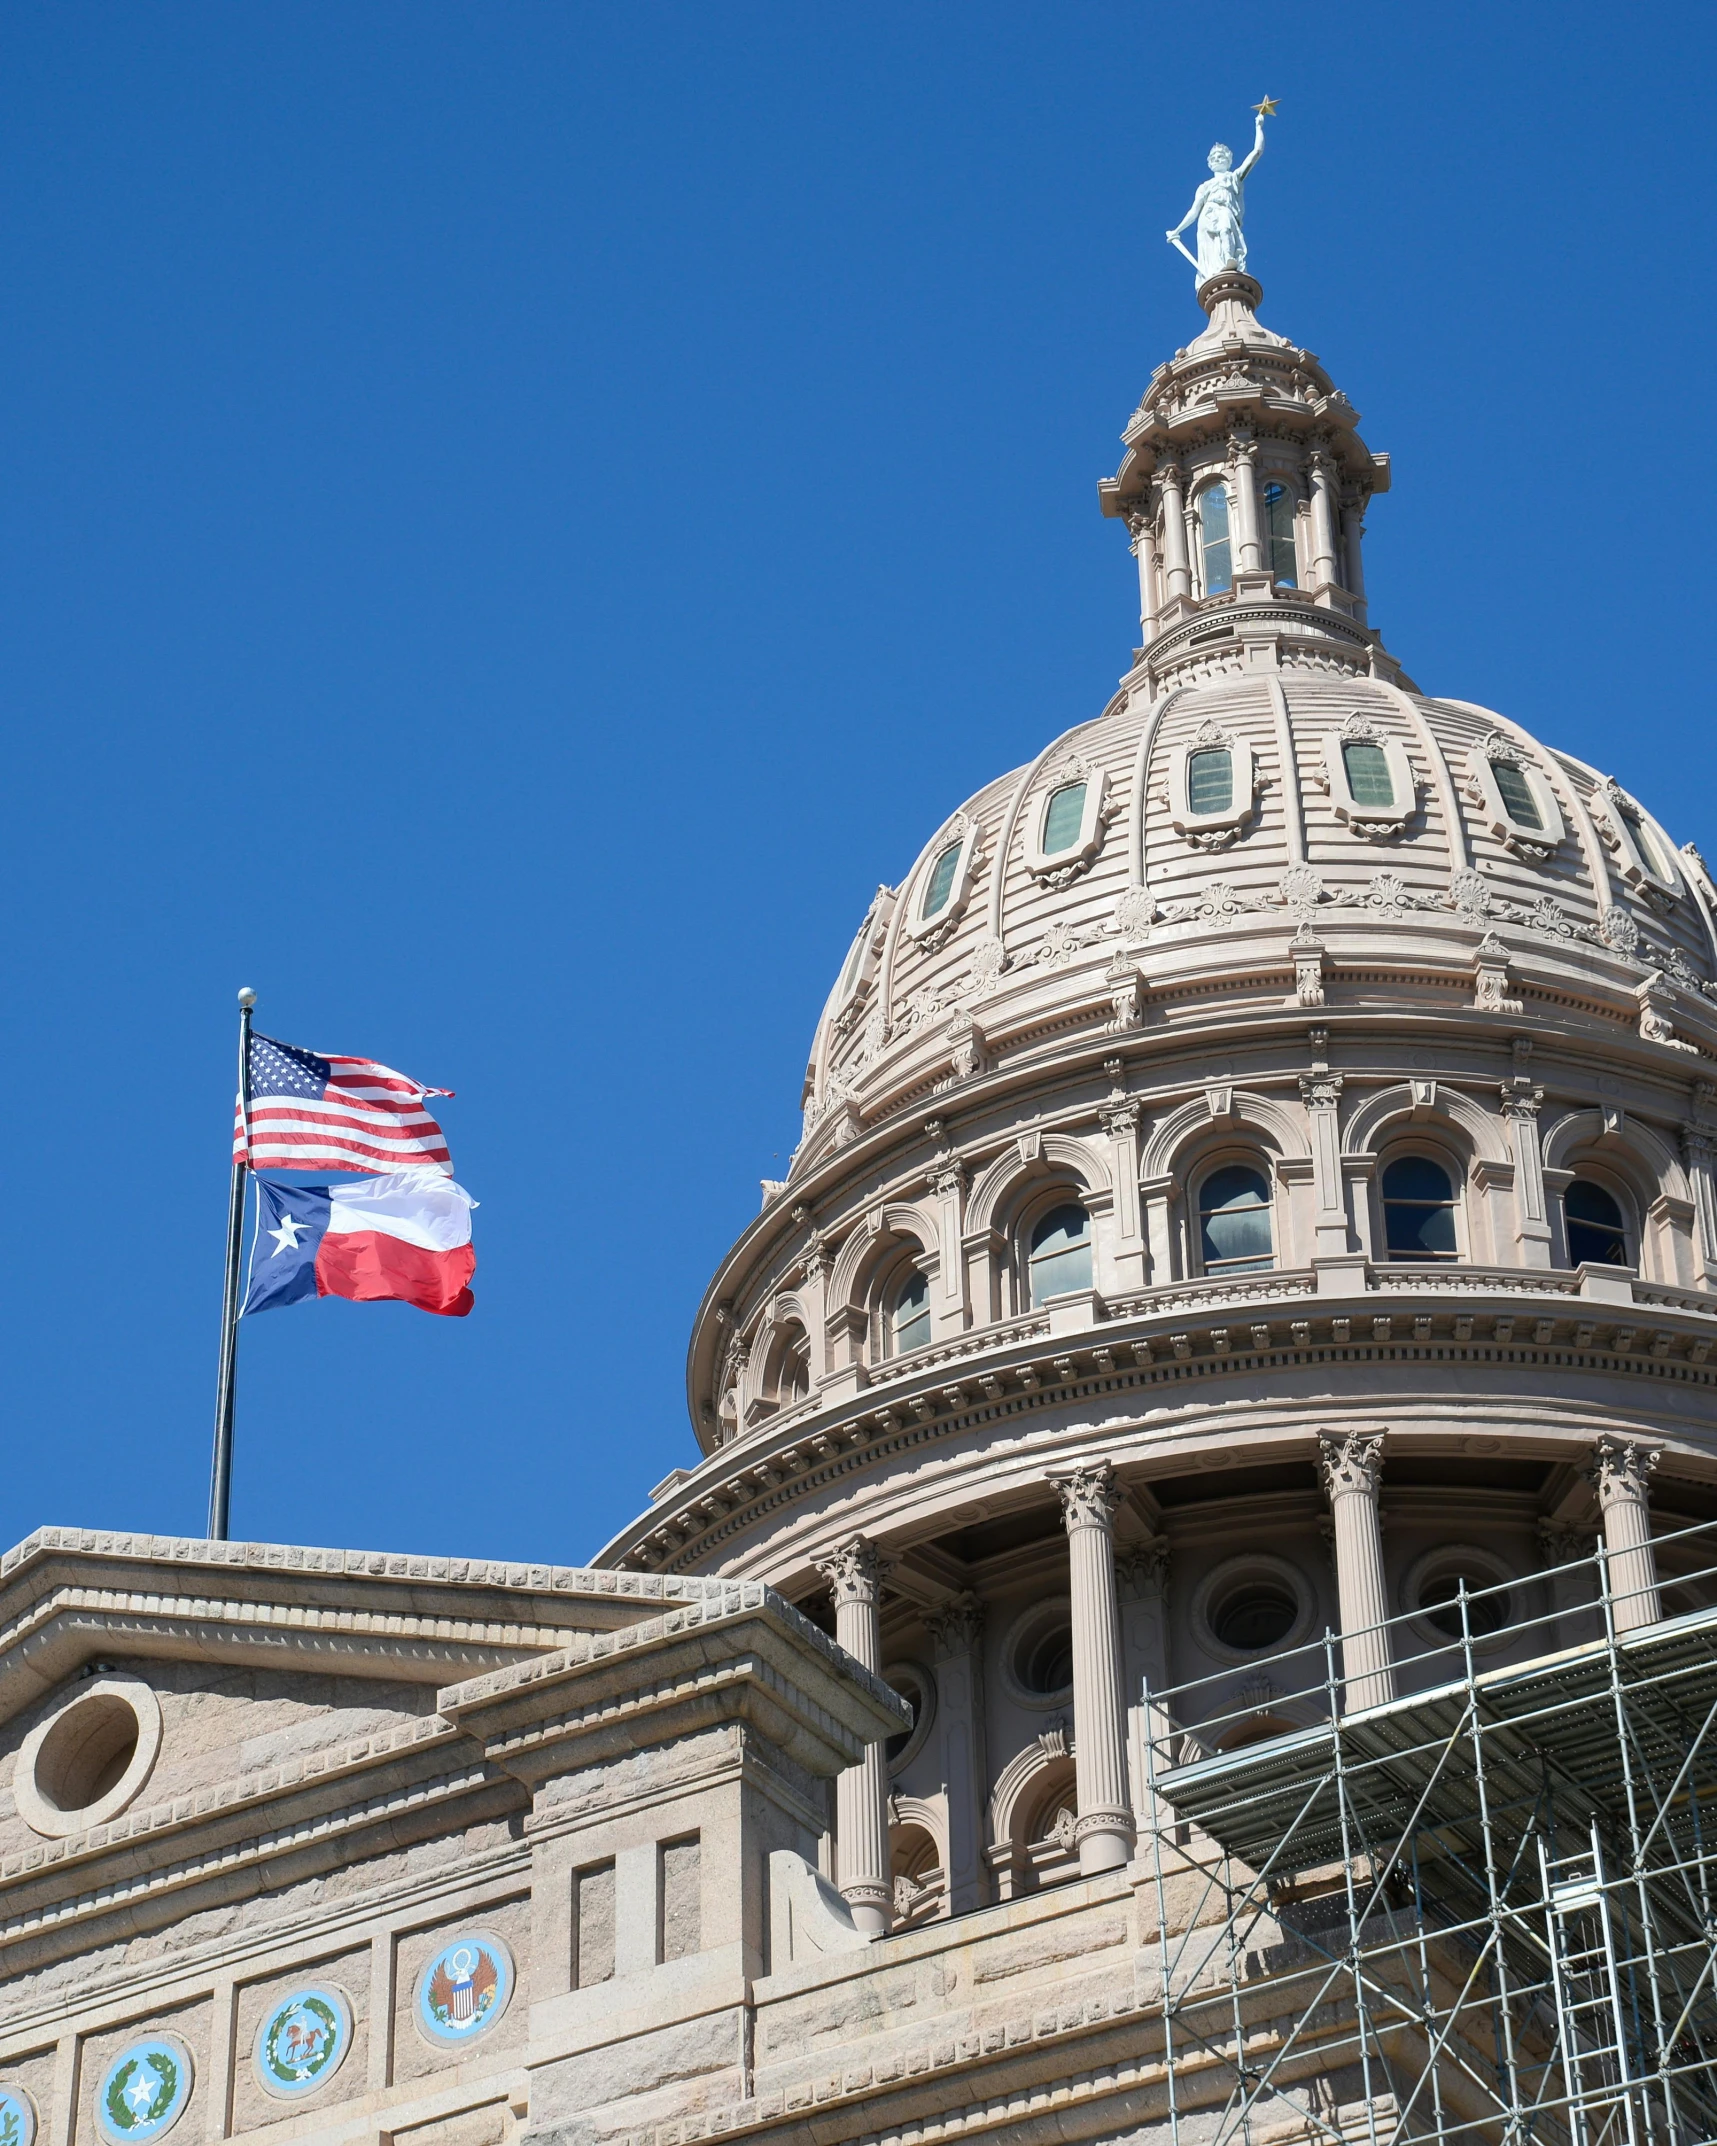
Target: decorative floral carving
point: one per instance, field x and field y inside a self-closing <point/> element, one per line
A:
<point x="854" y="1572"/>
<point x="958" y="1625"/>
<point x="1619" y="932"/>
<point x="1351" y="1466"/>
<point x="1089" y="1497"/>
<point x="1622" y="1468"/>
<point x="989" y="959"/>
<point x="1060" y="942"/>
<point x="1135" y="913"/>
<point x="1359" y="729"/>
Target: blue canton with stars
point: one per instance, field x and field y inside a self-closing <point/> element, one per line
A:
<point x="283" y="1069"/>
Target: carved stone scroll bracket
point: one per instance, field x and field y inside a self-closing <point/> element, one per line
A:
<point x="1494" y="989"/>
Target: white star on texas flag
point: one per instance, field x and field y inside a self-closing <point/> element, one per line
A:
<point x="286" y="1236"/>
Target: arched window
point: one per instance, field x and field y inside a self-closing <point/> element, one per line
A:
<point x="1210" y="780"/>
<point x="941" y="881"/>
<point x="1368" y="776"/>
<point x="1596" y="1230"/>
<point x="1060" y="1253"/>
<point x="1279" y="534"/>
<point x="909" y="1316"/>
<point x="1063" y="817"/>
<point x="1234" y="1220"/>
<point x="1419" y="1210"/>
<point x="1213" y="539"/>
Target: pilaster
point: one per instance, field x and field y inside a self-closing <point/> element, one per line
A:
<point x="956" y="1635"/>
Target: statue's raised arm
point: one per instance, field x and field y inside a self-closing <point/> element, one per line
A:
<point x="1219" y="208"/>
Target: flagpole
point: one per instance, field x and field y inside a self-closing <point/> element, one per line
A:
<point x="221" y="1471"/>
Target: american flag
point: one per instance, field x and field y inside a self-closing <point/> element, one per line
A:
<point x="313" y="1113"/>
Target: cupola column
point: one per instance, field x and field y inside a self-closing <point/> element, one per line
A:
<point x="854" y="1574"/>
<point x="1144" y="550"/>
<point x="1352" y="1469"/>
<point x="1354" y="530"/>
<point x="1103" y="1828"/>
<point x="1243" y="489"/>
<point x="1621" y="1471"/>
<point x="1177" y="566"/>
<point x="1324" y="573"/>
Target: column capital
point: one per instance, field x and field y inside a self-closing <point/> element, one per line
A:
<point x="1088" y="1496"/>
<point x="958" y="1625"/>
<point x="1143" y="1567"/>
<point x="854" y="1571"/>
<point x="1352" y="1463"/>
<point x="1622" y="1467"/>
<point x="1559" y="1545"/>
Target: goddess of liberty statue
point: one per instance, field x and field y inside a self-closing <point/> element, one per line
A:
<point x="1219" y="208"/>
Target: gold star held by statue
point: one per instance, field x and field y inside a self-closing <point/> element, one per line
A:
<point x="1266" y="110"/>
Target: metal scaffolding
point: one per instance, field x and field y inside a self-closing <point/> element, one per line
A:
<point x="1486" y="1909"/>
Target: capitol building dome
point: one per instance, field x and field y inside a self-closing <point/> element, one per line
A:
<point x="1255" y="1181"/>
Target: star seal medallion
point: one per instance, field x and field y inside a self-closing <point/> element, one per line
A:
<point x="144" y="2091"/>
<point x="17" y="2116"/>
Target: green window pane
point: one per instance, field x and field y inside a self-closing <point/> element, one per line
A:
<point x="1062" y="818"/>
<point x="1213" y="538"/>
<point x="1060" y="1253"/>
<point x="1210" y="781"/>
<point x="1279" y="529"/>
<point x="1234" y="1219"/>
<point x="942" y="881"/>
<point x="912" y="1315"/>
<point x="1517" y="798"/>
<point x="1368" y="774"/>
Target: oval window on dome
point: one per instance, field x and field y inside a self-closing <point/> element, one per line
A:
<point x="1210" y="781"/>
<point x="1596" y="1231"/>
<point x="1648" y="851"/>
<point x="1234" y="1220"/>
<point x="1419" y="1210"/>
<point x="1214" y="548"/>
<point x="1063" y="817"/>
<point x="910" y="1319"/>
<point x="1368" y="776"/>
<point x="1519" y="800"/>
<point x="1060" y="1253"/>
<point x="1279" y="528"/>
<point x="941" y="881"/>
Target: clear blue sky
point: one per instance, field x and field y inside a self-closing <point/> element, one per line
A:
<point x="516" y="518"/>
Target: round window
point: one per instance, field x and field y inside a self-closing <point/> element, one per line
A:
<point x="1037" y="1655"/>
<point x="1254" y="1615"/>
<point x="917" y="1687"/>
<point x="84" y="1764"/>
<point x="1440" y="1599"/>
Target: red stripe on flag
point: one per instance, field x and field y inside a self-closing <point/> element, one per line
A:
<point x="370" y="1267"/>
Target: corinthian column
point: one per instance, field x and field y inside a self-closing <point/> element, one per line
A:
<point x="1621" y="1470"/>
<point x="1243" y="472"/>
<point x="1103" y="1828"/>
<point x="1323" y="521"/>
<point x="1352" y="1470"/>
<point x="854" y="1573"/>
<point x="956" y="1632"/>
<point x="1144" y="547"/>
<point x="1177" y="566"/>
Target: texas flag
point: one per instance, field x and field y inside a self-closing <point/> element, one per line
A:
<point x="405" y="1237"/>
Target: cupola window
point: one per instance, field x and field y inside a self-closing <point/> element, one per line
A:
<point x="1279" y="531"/>
<point x="1060" y="1253"/>
<point x="1419" y="1210"/>
<point x="1213" y="540"/>
<point x="1486" y="1604"/>
<point x="1210" y="781"/>
<point x="942" y="880"/>
<point x="1517" y="794"/>
<point x="910" y="1319"/>
<point x="1368" y="776"/>
<point x="1063" y="817"/>
<point x="1596" y="1231"/>
<point x="1234" y="1220"/>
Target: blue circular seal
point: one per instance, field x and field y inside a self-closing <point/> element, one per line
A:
<point x="17" y="2116"/>
<point x="143" y="2092"/>
<point x="464" y="1989"/>
<point x="302" y="2041"/>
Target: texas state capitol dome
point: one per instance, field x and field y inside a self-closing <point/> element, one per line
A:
<point x="1256" y="1174"/>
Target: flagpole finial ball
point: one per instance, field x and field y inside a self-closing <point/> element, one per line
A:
<point x="247" y="998"/>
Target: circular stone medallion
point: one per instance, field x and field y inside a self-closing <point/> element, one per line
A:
<point x="144" y="2090"/>
<point x="302" y="2042"/>
<point x="17" y="2116"/>
<point x="464" y="1988"/>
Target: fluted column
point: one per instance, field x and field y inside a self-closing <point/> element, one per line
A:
<point x="1323" y="523"/>
<point x="1621" y="1471"/>
<point x="956" y="1635"/>
<point x="1243" y="488"/>
<point x="1355" y="547"/>
<point x="1177" y="565"/>
<point x="1352" y="1469"/>
<point x="1143" y="1573"/>
<point x="1144" y="552"/>
<point x="1103" y="1829"/>
<point x="854" y="1574"/>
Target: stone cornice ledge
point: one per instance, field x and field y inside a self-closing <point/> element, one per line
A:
<point x="749" y="1656"/>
